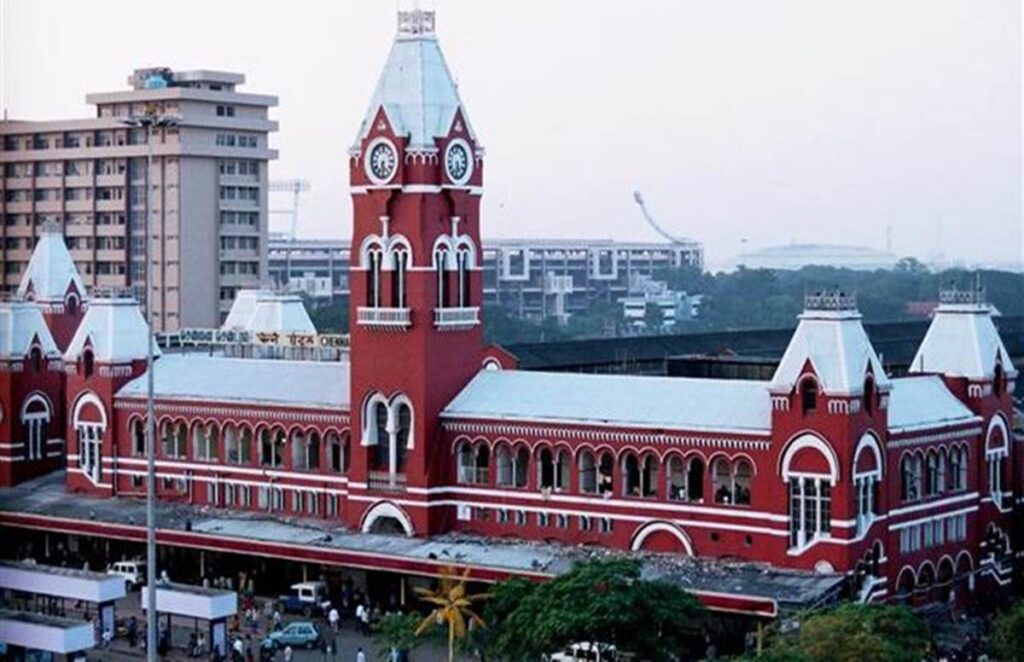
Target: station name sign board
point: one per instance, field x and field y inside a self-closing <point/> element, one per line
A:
<point x="239" y="337"/>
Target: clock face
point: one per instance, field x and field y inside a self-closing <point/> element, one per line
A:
<point x="381" y="162"/>
<point x="458" y="162"/>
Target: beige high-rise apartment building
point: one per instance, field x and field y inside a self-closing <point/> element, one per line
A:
<point x="208" y="199"/>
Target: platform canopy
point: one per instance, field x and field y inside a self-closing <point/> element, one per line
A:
<point x="45" y="633"/>
<point x="61" y="582"/>
<point x="193" y="601"/>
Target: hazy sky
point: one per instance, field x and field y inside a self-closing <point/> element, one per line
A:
<point x="773" y="120"/>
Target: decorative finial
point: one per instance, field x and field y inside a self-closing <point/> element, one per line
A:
<point x="972" y="296"/>
<point x="415" y="22"/>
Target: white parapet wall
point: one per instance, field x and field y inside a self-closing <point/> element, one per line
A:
<point x="45" y="633"/>
<point x="61" y="582"/>
<point x="193" y="601"/>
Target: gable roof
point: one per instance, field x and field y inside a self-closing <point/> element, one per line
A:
<point x="317" y="384"/>
<point x="836" y="345"/>
<point x="675" y="403"/>
<point x="921" y="402"/>
<point x="962" y="341"/>
<point x="416" y="90"/>
<point x="21" y="323"/>
<point x="50" y="271"/>
<point x="115" y="330"/>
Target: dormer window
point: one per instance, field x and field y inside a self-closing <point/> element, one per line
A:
<point x="999" y="381"/>
<point x="71" y="305"/>
<point x="869" y="395"/>
<point x="88" y="363"/>
<point x="35" y="358"/>
<point x="808" y="395"/>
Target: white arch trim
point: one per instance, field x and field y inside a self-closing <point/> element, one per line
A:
<point x="385" y="509"/>
<point x="997" y="422"/>
<point x="370" y="242"/>
<point x="34" y="397"/>
<point x="397" y="400"/>
<point x="369" y="420"/>
<point x="813" y="442"/>
<point x="646" y="530"/>
<point x="86" y="399"/>
<point x="868" y="441"/>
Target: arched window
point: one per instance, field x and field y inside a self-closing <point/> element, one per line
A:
<point x="88" y="362"/>
<point x="932" y="473"/>
<point x="630" y="475"/>
<point x="464" y="455"/>
<point x="996" y="453"/>
<point x="676" y="479"/>
<point x="958" y="468"/>
<point x="400" y="258"/>
<point x="910" y="477"/>
<point x="605" y="473"/>
<point x="402" y="436"/>
<point x="441" y="266"/>
<point x="869" y="395"/>
<point x="35" y="359"/>
<point x="482" y="463"/>
<point x="808" y="395"/>
<point x="941" y="484"/>
<point x="204" y="442"/>
<point x="245" y="445"/>
<point x="743" y="475"/>
<point x="587" y="473"/>
<point x="179" y="451"/>
<point x="649" y="476"/>
<point x="721" y="481"/>
<point x="337" y="453"/>
<point x="503" y="461"/>
<point x="382" y="439"/>
<point x="35" y="421"/>
<point x="563" y="465"/>
<point x="462" y="264"/>
<point x="546" y="469"/>
<point x="999" y="380"/>
<point x="374" y="258"/>
<point x="138" y="434"/>
<point x="89" y="422"/>
<point x="520" y="466"/>
<point x="695" y="480"/>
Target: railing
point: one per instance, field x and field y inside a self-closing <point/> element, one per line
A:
<point x="952" y="295"/>
<point x="383" y="481"/>
<point x="455" y="319"/>
<point x="830" y="300"/>
<point x="474" y="476"/>
<point x="388" y="319"/>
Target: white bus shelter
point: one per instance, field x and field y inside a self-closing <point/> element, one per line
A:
<point x="65" y="583"/>
<point x="208" y="604"/>
<point x="61" y="636"/>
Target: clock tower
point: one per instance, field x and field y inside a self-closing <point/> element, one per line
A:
<point x="416" y="173"/>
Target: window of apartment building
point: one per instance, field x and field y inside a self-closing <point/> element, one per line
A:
<point x="78" y="193"/>
<point x="12" y="268"/>
<point x="40" y="142"/>
<point x="10" y="143"/>
<point x="225" y="111"/>
<point x="110" y="193"/>
<point x="72" y="140"/>
<point x="44" y="194"/>
<point x="48" y="169"/>
<point x="104" y="138"/>
<point x="110" y="243"/>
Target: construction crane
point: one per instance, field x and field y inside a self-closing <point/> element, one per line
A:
<point x="295" y="187"/>
<point x="654" y="224"/>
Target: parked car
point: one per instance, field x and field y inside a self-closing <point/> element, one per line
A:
<point x="307" y="598"/>
<point x="587" y="652"/>
<point x="134" y="573"/>
<point x="297" y="634"/>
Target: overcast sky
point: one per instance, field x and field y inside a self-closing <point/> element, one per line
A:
<point x="777" y="121"/>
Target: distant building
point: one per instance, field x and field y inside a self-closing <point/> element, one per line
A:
<point x="88" y="177"/>
<point x="798" y="256"/>
<point x="534" y="278"/>
<point x="669" y="306"/>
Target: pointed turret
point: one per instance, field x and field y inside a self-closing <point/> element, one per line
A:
<point x="113" y="330"/>
<point x="53" y="283"/>
<point x="962" y="341"/>
<point x="416" y="90"/>
<point x="830" y="342"/>
<point x="21" y="329"/>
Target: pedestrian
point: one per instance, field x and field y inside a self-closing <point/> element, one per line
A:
<point x="333" y="617"/>
<point x="287" y="654"/>
<point x="360" y="655"/>
<point x="362" y="618"/>
<point x="277" y="619"/>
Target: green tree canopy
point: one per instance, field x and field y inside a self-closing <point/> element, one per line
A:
<point x="1008" y="634"/>
<point x="852" y="633"/>
<point x="599" y="602"/>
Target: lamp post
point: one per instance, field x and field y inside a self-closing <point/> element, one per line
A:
<point x="150" y="120"/>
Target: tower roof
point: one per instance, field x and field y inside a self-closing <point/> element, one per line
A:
<point x="20" y="324"/>
<point x="51" y="271"/>
<point x="416" y="88"/>
<point x="962" y="341"/>
<point x="263" y="311"/>
<point x="116" y="331"/>
<point x="831" y="337"/>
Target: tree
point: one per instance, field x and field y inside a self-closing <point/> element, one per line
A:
<point x="1008" y="634"/>
<point x="852" y="632"/>
<point x="451" y="607"/>
<point x="397" y="632"/>
<point x="600" y="602"/>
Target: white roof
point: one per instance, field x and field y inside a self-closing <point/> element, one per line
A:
<point x="924" y="402"/>
<point x="281" y="313"/>
<point x="962" y="341"/>
<point x="219" y="379"/>
<point x="243" y="308"/>
<point x="51" y="271"/>
<point x="116" y="330"/>
<point x="621" y="400"/>
<point x="20" y="323"/>
<point x="835" y="343"/>
<point x="417" y="92"/>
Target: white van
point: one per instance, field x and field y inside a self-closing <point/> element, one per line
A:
<point x="134" y="573"/>
<point x="587" y="652"/>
